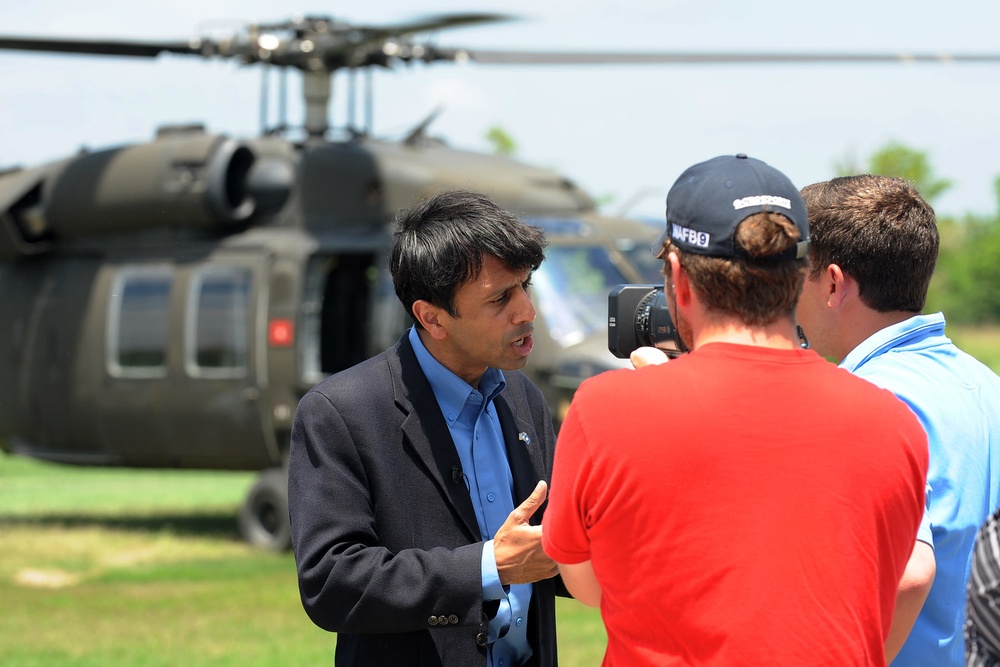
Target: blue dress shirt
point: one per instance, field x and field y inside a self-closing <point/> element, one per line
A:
<point x="475" y="429"/>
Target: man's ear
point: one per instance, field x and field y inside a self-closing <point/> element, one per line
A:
<point x="432" y="318"/>
<point x="682" y="286"/>
<point x="836" y="284"/>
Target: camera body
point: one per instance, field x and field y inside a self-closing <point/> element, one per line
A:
<point x="638" y="317"/>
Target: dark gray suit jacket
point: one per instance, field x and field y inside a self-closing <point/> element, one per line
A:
<point x="385" y="536"/>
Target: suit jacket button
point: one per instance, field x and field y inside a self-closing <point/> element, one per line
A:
<point x="453" y="619"/>
<point x="433" y="620"/>
<point x="482" y="639"/>
<point x="442" y="620"/>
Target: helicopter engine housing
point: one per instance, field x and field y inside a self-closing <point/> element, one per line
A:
<point x="193" y="181"/>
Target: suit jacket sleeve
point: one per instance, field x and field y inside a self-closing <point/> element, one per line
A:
<point x="377" y="549"/>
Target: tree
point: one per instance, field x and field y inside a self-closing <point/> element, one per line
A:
<point x="896" y="159"/>
<point x="966" y="284"/>
<point x="501" y="141"/>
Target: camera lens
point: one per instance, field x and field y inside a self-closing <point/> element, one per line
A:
<point x="654" y="326"/>
<point x="638" y="317"/>
<point x="644" y="317"/>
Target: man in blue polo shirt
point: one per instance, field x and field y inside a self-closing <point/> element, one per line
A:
<point x="874" y="243"/>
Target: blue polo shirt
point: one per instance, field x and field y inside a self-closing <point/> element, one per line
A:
<point x="475" y="429"/>
<point x="957" y="400"/>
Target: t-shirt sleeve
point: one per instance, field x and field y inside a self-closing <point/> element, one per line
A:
<point x="564" y="526"/>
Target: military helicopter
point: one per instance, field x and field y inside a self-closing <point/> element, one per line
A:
<point x="167" y="303"/>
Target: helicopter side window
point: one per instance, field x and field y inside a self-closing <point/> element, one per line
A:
<point x="218" y="323"/>
<point x="138" y="322"/>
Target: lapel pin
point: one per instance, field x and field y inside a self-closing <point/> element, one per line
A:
<point x="523" y="437"/>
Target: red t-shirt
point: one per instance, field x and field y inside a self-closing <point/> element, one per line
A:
<point x="740" y="506"/>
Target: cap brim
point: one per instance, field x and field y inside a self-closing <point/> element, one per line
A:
<point x="658" y="246"/>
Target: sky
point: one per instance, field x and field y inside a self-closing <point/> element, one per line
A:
<point x="624" y="133"/>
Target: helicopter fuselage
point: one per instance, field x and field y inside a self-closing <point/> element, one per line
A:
<point x="167" y="304"/>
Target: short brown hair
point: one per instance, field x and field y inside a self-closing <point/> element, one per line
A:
<point x="879" y="231"/>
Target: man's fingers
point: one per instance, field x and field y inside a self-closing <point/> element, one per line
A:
<point x="537" y="496"/>
<point x="525" y="510"/>
<point x="648" y="356"/>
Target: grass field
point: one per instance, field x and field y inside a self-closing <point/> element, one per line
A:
<point x="108" y="567"/>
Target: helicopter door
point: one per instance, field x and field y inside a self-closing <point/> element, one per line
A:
<point x="337" y="331"/>
<point x="185" y="375"/>
<point x="219" y="408"/>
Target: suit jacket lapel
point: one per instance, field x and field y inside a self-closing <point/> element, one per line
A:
<point x="427" y="433"/>
<point x="523" y="454"/>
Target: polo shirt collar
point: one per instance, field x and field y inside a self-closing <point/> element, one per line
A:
<point x="908" y="332"/>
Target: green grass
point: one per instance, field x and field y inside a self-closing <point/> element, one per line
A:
<point x="108" y="567"/>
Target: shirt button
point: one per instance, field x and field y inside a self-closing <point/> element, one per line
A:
<point x="500" y="662"/>
<point x="490" y="497"/>
<point x="519" y="621"/>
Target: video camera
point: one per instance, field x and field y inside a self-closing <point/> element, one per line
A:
<point x="638" y="317"/>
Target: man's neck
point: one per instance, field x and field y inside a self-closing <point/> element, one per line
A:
<point x="781" y="335"/>
<point x="446" y="356"/>
<point x="864" y="323"/>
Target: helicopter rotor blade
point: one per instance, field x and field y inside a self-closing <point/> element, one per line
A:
<point x="100" y="47"/>
<point x="319" y="46"/>
<point x="310" y="43"/>
<point x="433" y="22"/>
<point x="494" y="57"/>
<point x="323" y="43"/>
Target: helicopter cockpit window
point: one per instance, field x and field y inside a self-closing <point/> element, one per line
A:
<point x="642" y="258"/>
<point x="218" y="323"/>
<point x="138" y="321"/>
<point x="571" y="287"/>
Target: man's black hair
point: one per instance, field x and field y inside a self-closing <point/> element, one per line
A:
<point x="439" y="245"/>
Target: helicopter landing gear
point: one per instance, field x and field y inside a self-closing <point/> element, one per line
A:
<point x="264" y="515"/>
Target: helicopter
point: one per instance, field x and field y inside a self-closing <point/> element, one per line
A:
<point x="167" y="303"/>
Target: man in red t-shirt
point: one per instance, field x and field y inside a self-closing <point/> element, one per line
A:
<point x="749" y="502"/>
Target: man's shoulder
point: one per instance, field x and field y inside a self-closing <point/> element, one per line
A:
<point x="945" y="372"/>
<point x="357" y="381"/>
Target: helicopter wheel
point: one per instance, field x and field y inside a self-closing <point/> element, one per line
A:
<point x="264" y="515"/>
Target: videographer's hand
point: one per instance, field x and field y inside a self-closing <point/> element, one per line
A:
<point x="517" y="545"/>
<point x="648" y="356"/>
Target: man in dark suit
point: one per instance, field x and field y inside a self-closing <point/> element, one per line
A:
<point x="417" y="478"/>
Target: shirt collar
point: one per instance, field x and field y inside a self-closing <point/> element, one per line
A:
<point x="906" y="332"/>
<point x="450" y="390"/>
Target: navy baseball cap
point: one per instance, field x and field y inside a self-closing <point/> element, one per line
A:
<point x="709" y="201"/>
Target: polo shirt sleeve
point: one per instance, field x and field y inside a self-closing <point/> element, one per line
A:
<point x="565" y="524"/>
<point x="924" y="533"/>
